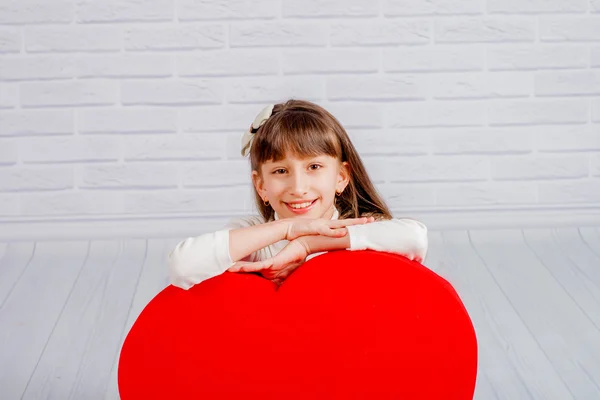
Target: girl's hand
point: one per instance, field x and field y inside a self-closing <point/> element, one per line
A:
<point x="280" y="266"/>
<point x="298" y="227"/>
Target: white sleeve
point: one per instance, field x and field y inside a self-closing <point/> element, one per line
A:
<point x="404" y="236"/>
<point x="197" y="259"/>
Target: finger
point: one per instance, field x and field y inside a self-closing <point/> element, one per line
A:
<point x="249" y="267"/>
<point x="339" y="232"/>
<point x="340" y="223"/>
<point x="333" y="232"/>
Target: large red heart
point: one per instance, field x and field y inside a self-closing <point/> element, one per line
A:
<point x="361" y="324"/>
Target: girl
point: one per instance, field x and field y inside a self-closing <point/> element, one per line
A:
<point x="313" y="194"/>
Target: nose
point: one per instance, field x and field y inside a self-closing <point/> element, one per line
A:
<point x="299" y="184"/>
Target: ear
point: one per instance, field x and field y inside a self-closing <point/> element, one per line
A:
<point x="343" y="178"/>
<point x="258" y="183"/>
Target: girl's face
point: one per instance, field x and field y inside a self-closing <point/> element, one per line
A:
<point x="302" y="188"/>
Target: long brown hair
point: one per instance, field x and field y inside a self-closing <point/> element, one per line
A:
<point x="305" y="129"/>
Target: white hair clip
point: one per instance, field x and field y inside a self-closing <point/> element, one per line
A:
<point x="260" y="119"/>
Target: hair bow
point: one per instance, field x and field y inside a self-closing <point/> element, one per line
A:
<point x="260" y="119"/>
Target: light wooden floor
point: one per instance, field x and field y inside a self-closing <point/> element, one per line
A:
<point x="533" y="295"/>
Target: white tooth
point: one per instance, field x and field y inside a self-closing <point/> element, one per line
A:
<point x="303" y="205"/>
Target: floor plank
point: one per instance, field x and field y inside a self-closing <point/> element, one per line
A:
<point x="32" y="309"/>
<point x="510" y="356"/>
<point x="563" y="257"/>
<point x="3" y="247"/>
<point x="563" y="331"/>
<point x="12" y="266"/>
<point x="591" y="237"/>
<point x="440" y="261"/>
<point x="77" y="360"/>
<point x="580" y="253"/>
<point x="153" y="279"/>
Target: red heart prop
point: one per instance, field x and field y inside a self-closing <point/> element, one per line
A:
<point x="345" y="325"/>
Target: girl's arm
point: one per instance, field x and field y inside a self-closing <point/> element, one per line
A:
<point x="244" y="241"/>
<point x="406" y="237"/>
<point x="200" y="258"/>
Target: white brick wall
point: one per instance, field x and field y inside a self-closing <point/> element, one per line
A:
<point x="129" y="109"/>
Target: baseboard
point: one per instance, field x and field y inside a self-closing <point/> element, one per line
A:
<point x="176" y="226"/>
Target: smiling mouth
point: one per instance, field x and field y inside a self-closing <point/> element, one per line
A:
<point x="300" y="206"/>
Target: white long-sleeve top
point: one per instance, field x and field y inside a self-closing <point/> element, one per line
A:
<point x="196" y="259"/>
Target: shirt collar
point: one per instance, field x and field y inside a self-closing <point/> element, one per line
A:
<point x="336" y="214"/>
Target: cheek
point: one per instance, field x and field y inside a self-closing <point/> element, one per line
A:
<point x="275" y="187"/>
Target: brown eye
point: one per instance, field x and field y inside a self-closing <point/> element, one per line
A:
<point x="277" y="171"/>
<point x="315" y="165"/>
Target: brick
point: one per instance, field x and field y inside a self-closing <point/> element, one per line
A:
<point x="536" y="6"/>
<point x="36" y="122"/>
<point x="233" y="146"/>
<point x="376" y="168"/>
<point x="375" y="142"/>
<point x="489" y="29"/>
<point x="570" y="192"/>
<point x="438" y="169"/>
<point x="34" y="67"/>
<point x="67" y="149"/>
<point x="569" y="28"/>
<point x="359" y="33"/>
<point x="10" y="41"/>
<point x="482" y="140"/>
<point x="380" y="87"/>
<point x="271" y="34"/>
<point x="229" y="63"/>
<point x="8" y="152"/>
<point x="182" y="92"/>
<point x="264" y="90"/>
<point x="226" y="200"/>
<point x="528" y="57"/>
<point x="73" y="38"/>
<point x="216" y="174"/>
<point x="433" y="7"/>
<point x="328" y="8"/>
<point x="330" y="61"/>
<point x="181" y="37"/>
<point x="218" y="118"/>
<point x="69" y="93"/>
<point x="174" y="147"/>
<point x="9" y="95"/>
<point x="596" y="110"/>
<point x="595" y="60"/>
<point x="400" y="196"/>
<point x="124" y="66"/>
<point x="124" y="10"/>
<point x="595" y="5"/>
<point x="36" y="11"/>
<point x="434" y="114"/>
<point x="190" y="10"/>
<point x="129" y="120"/>
<point x="482" y="85"/>
<point x="539" y="167"/>
<point x="595" y="165"/>
<point x="70" y="203"/>
<point x="356" y="115"/>
<point x="537" y="112"/>
<point x="9" y="204"/>
<point x="485" y="194"/>
<point x="34" y="178"/>
<point x="439" y="58"/>
<point x="568" y="138"/>
<point x="561" y="83"/>
<point x="142" y="175"/>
